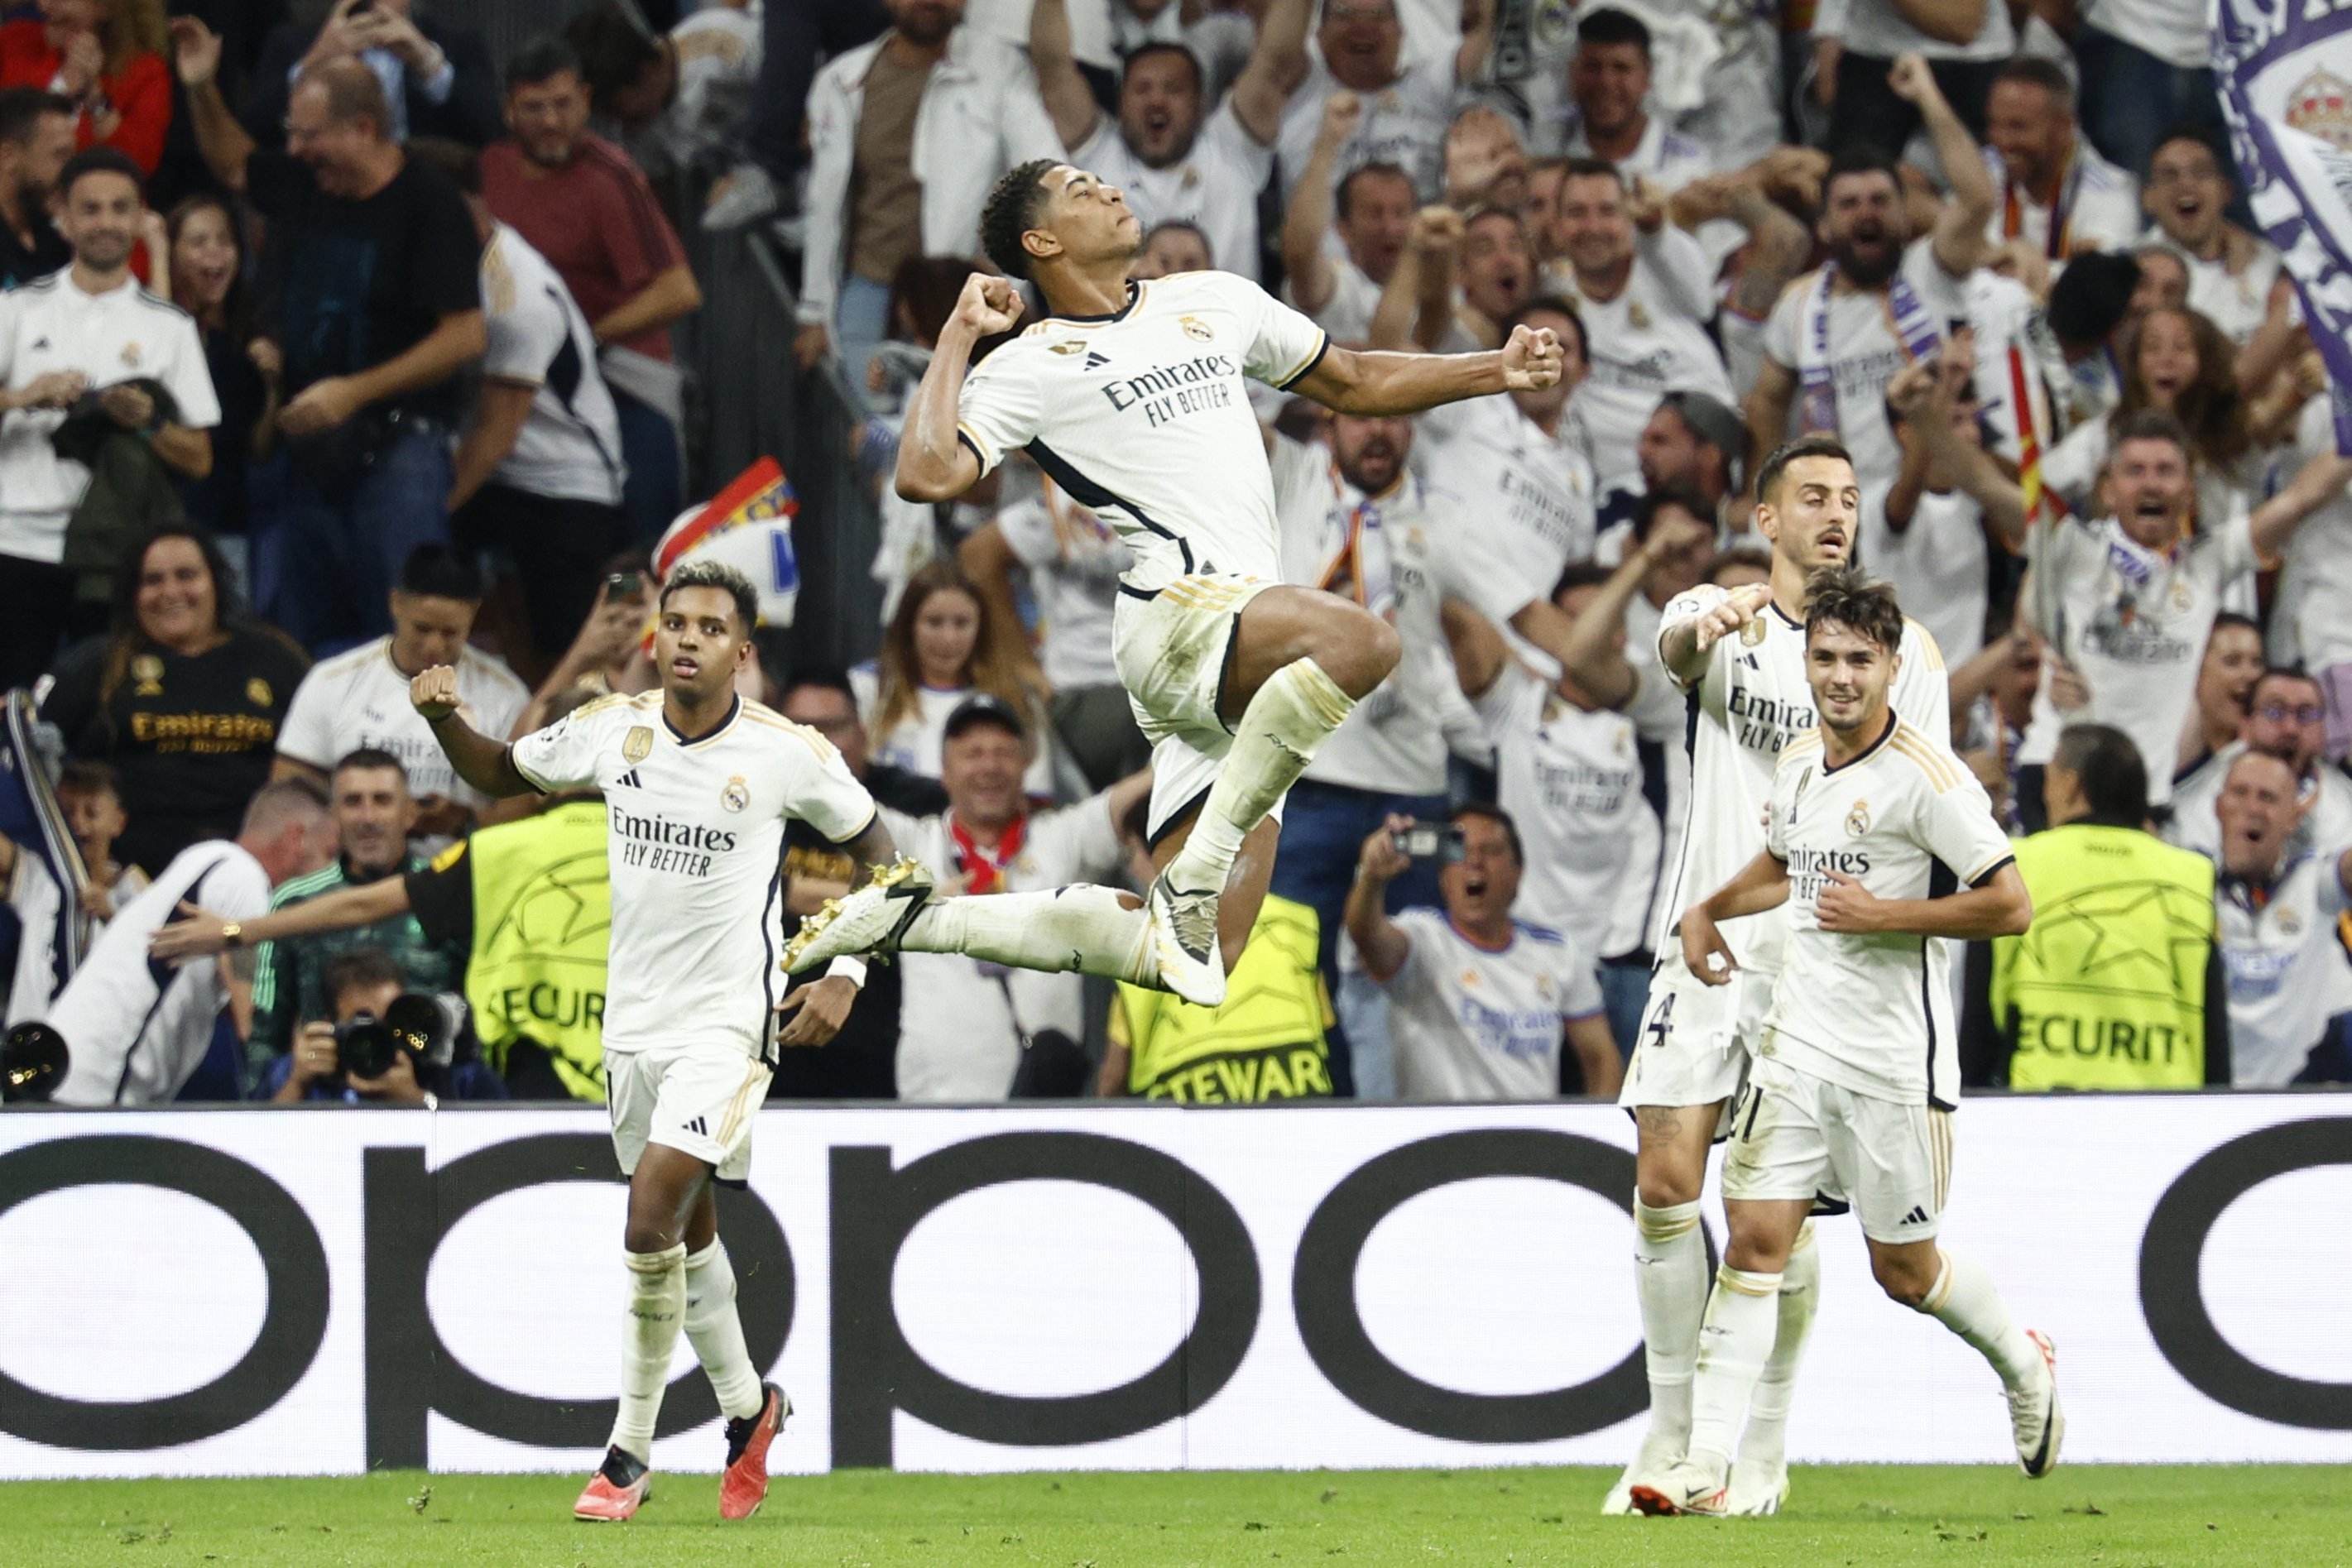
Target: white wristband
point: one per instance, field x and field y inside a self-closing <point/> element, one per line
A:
<point x="847" y="969"/>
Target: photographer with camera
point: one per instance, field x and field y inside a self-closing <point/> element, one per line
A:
<point x="385" y="1045"/>
<point x="1478" y="1002"/>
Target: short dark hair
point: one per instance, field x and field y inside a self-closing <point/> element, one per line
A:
<point x="824" y="678"/>
<point x="614" y="50"/>
<point x="720" y="575"/>
<point x="83" y="776"/>
<point x="1013" y="207"/>
<point x="1607" y="24"/>
<point x="2150" y="424"/>
<point x="1713" y="422"/>
<point x="2294" y="672"/>
<point x="1183" y="52"/>
<point x="1748" y="555"/>
<point x="2232" y="619"/>
<point x="2032" y="70"/>
<point x="462" y="163"/>
<point x="2092" y="296"/>
<point x="1558" y="306"/>
<point x="1846" y="596"/>
<point x="22" y="108"/>
<point x="1378" y="169"/>
<point x="2202" y="135"/>
<point x="1860" y="157"/>
<point x="1185" y="225"/>
<point x="2113" y="774"/>
<point x="360" y="968"/>
<point x="1677" y="497"/>
<point x="542" y="59"/>
<point x="1487" y="811"/>
<point x="442" y="572"/>
<point x="1591" y="169"/>
<point x="100" y="161"/>
<point x="1776" y="461"/>
<point x="372" y="760"/>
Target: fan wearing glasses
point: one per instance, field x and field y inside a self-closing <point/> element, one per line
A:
<point x="2287" y="717"/>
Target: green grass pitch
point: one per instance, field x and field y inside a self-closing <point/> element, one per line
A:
<point x="2278" y="1516"/>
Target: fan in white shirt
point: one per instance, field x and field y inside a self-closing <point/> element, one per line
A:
<point x="360" y="698"/>
<point x="1839" y="334"/>
<point x="1178" y="158"/>
<point x="134" y="1028"/>
<point x="1358" y="49"/>
<point x="2285" y="716"/>
<point x="1342" y="234"/>
<point x="1926" y="534"/>
<point x="2276" y="909"/>
<point x="2232" y="273"/>
<point x="2057" y="195"/>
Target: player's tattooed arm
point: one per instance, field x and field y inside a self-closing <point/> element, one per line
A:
<point x="1761" y="884"/>
<point x="480" y="761"/>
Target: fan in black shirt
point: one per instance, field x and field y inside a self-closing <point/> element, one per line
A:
<point x="36" y="137"/>
<point x="183" y="699"/>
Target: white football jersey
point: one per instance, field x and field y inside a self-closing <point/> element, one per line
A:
<point x="1144" y="417"/>
<point x="697" y="851"/>
<point x="1906" y="819"/>
<point x="361" y="698"/>
<point x="2286" y="969"/>
<point x="1752" y="701"/>
<point x="1473" y="1023"/>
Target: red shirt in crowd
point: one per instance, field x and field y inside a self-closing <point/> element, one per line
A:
<point x="596" y="220"/>
<point x="141" y="92"/>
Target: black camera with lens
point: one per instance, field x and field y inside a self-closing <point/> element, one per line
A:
<point x="423" y="1025"/>
<point x="33" y="1063"/>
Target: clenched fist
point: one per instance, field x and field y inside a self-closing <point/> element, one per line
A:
<point x="1533" y="360"/>
<point x="433" y="693"/>
<point x="989" y="304"/>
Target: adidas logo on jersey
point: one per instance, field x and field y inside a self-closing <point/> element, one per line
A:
<point x="699" y="1130"/>
<point x="1918" y="1215"/>
<point x="629" y="779"/>
<point x="1094" y="361"/>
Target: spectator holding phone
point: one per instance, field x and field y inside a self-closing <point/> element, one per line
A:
<point x="1479" y="1003"/>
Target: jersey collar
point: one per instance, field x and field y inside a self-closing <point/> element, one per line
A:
<point x="1867" y="752"/>
<point x="1134" y="297"/>
<point x="734" y="706"/>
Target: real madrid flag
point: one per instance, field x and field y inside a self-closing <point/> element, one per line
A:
<point x="2285" y="74"/>
<point x="749" y="524"/>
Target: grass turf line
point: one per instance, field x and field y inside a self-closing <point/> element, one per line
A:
<point x="2278" y="1516"/>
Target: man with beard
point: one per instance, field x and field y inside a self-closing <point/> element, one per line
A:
<point x="579" y="201"/>
<point x="1370" y="211"/>
<point x="2057" y="195"/>
<point x="36" y="137"/>
<point x="905" y="133"/>
<point x="1406" y="108"/>
<point x="2136" y="592"/>
<point x="2286" y="717"/>
<point x="2232" y="274"/>
<point x="1354" y="522"/>
<point x="2276" y="903"/>
<point x="86" y="328"/>
<point x="1175" y="159"/>
<point x="1692" y="443"/>
<point x="1882" y="301"/>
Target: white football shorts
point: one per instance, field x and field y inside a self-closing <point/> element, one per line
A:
<point x="1794" y="1136"/>
<point x="1170" y="651"/>
<point x="1695" y="1039"/>
<point x="697" y="1098"/>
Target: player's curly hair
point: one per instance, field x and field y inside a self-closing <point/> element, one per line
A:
<point x="1848" y="597"/>
<point x="1013" y="209"/>
<point x="716" y="574"/>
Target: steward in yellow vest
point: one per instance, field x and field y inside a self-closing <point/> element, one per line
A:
<point x="1267" y="1042"/>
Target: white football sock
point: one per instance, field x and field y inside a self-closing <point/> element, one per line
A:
<point x="656" y="1306"/>
<point x="1766" y="1440"/>
<point x="716" y="1331"/>
<point x="1670" y="1280"/>
<point x="1734" y="1341"/>
<point x="1965" y="1301"/>
<point x="1286" y="723"/>
<point x="1082" y="927"/>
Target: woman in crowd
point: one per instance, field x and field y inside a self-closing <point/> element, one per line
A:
<point x="940" y="648"/>
<point x="184" y="697"/>
<point x="107" y="57"/>
<point x="207" y="273"/>
<point x="2179" y="361"/>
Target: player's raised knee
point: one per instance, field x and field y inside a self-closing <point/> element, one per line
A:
<point x="1907" y="1274"/>
<point x="1355" y="648"/>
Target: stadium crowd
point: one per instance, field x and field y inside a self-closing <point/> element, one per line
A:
<point x="332" y="349"/>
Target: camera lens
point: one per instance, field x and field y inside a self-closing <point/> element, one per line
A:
<point x="364" y="1046"/>
<point x="33" y="1059"/>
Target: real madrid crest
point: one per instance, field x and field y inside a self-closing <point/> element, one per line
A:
<point x="2290" y="923"/>
<point x="637" y="744"/>
<point x="131" y="355"/>
<point x="1639" y="317"/>
<point x="147" y="672"/>
<point x="1857" y="820"/>
<point x="2180" y="595"/>
<point x="737" y="795"/>
<point x="257" y="692"/>
<point x="1194" y="328"/>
